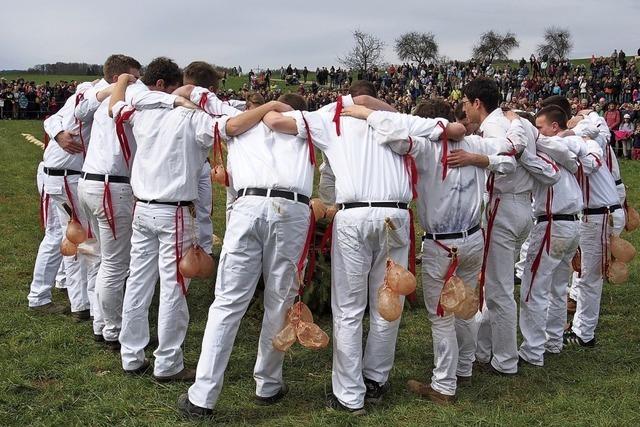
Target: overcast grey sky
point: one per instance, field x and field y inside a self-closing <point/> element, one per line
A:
<point x="275" y="33"/>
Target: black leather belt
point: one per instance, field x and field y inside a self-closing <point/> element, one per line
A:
<point x="289" y="195"/>
<point x="397" y="205"/>
<point x="158" y="202"/>
<point x="618" y="181"/>
<point x="111" y="178"/>
<point x="602" y="210"/>
<point x="447" y="236"/>
<point x="557" y="217"/>
<point x="60" y="172"/>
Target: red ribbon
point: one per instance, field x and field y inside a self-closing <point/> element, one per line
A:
<point x="325" y="243"/>
<point x="412" y="170"/>
<point x="491" y="217"/>
<point x="179" y="222"/>
<point x="122" y="136"/>
<point x="203" y="101"/>
<point x="217" y="145"/>
<point x="546" y="242"/>
<point x="44" y="208"/>
<point x="412" y="297"/>
<point x="107" y="205"/>
<point x="311" y="231"/>
<point x="79" y="98"/>
<point x="444" y="160"/>
<point x="312" y="152"/>
<point x="336" y="116"/>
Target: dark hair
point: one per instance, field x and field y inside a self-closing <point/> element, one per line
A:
<point x="201" y="74"/>
<point x="362" y="87"/>
<point x="294" y="100"/>
<point x="255" y="98"/>
<point x="433" y="108"/>
<point x="554" y="113"/>
<point x="459" y="112"/>
<point x="527" y="116"/>
<point x="118" y="64"/>
<point x="558" y="101"/>
<point x="486" y="90"/>
<point x="162" y="68"/>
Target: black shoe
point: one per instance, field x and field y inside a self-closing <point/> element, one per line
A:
<point x="463" y="381"/>
<point x="98" y="338"/>
<point x="112" y="345"/>
<point x="375" y="391"/>
<point x="260" y="400"/>
<point x="517" y="280"/>
<point x="139" y="370"/>
<point x="334" y="404"/>
<point x="571" y="339"/>
<point x="81" y="316"/>
<point x="50" y="308"/>
<point x="490" y="369"/>
<point x="190" y="410"/>
<point x="524" y="362"/>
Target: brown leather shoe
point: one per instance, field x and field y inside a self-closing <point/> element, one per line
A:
<point x="463" y="381"/>
<point x="425" y="391"/>
<point x="139" y="370"/>
<point x="187" y="374"/>
<point x="81" y="316"/>
<point x="50" y="308"/>
<point x="571" y="306"/>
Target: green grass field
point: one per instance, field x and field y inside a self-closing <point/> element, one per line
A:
<point x="52" y="373"/>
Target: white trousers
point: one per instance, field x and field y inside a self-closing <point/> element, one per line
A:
<point x="114" y="252"/>
<point x="587" y="289"/>
<point x="543" y="308"/>
<point x="79" y="269"/>
<point x="49" y="259"/>
<point x="264" y="236"/>
<point x="454" y="340"/>
<point x="153" y="256"/>
<point x="497" y="332"/>
<point x="358" y="266"/>
<point x="203" y="209"/>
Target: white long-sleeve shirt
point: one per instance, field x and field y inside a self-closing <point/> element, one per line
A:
<point x="172" y="146"/>
<point x="212" y="104"/>
<point x="262" y="158"/>
<point x="452" y="204"/>
<point x="106" y="156"/>
<point x="496" y="125"/>
<point x="64" y="120"/>
<point x="365" y="171"/>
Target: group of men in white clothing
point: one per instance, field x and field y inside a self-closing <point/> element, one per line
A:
<point x="128" y="159"/>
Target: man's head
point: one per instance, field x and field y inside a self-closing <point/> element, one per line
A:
<point x="362" y="87"/>
<point x="461" y="117"/>
<point x="433" y="108"/>
<point x="560" y="102"/>
<point x="551" y="120"/>
<point x="162" y="74"/>
<point x="201" y="74"/>
<point x="119" y="64"/>
<point x="254" y="100"/>
<point x="294" y="100"/>
<point x="481" y="97"/>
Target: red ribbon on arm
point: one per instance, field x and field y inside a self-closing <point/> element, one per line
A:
<point x="445" y="150"/>
<point x="336" y="116"/>
<point x="203" y="101"/>
<point x="79" y="98"/>
<point x="312" y="152"/>
<point x="412" y="170"/>
<point x="122" y="136"/>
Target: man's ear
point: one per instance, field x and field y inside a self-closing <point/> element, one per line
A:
<point x="160" y="84"/>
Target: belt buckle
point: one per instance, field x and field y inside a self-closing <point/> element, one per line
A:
<point x="106" y="179"/>
<point x="295" y="196"/>
<point x="465" y="234"/>
<point x="268" y="192"/>
<point x="369" y="203"/>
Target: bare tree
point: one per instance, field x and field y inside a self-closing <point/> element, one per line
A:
<point x="493" y="45"/>
<point x="557" y="43"/>
<point x="416" y="47"/>
<point x="366" y="53"/>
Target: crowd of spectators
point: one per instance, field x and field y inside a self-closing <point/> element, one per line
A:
<point x="609" y="85"/>
<point x="23" y="99"/>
